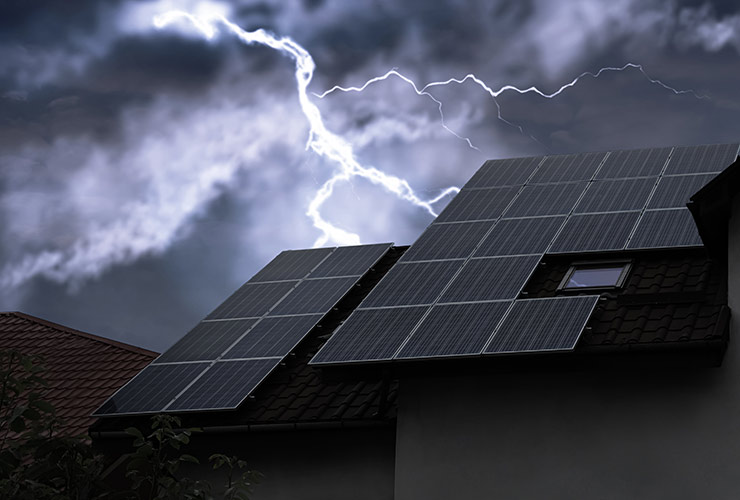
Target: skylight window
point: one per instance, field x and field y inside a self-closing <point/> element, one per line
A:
<point x="595" y="275"/>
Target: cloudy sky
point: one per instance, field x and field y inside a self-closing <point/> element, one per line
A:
<point x="146" y="173"/>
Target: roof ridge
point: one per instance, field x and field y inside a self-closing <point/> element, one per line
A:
<point x="90" y="336"/>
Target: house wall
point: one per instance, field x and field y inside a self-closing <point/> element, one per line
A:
<point x="621" y="433"/>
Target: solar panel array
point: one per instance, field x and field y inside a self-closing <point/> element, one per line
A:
<point x="455" y="291"/>
<point x="225" y="357"/>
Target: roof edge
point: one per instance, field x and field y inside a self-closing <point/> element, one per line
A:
<point x="90" y="336"/>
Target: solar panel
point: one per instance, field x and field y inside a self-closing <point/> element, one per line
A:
<point x="495" y="278"/>
<point x="565" y="168"/>
<point x="616" y="195"/>
<point x="252" y="300"/>
<point x="206" y="341"/>
<point x="370" y="335"/>
<point x="273" y="337"/>
<point x="412" y="284"/>
<point x="291" y="265"/>
<point x="520" y="236"/>
<point x="548" y="324"/>
<point x="314" y="296"/>
<point x="351" y="261"/>
<point x="225" y="385"/>
<point x="448" y="241"/>
<point x="478" y="204"/>
<point x="701" y="159"/>
<point x="546" y="199"/>
<point x="509" y="172"/>
<point x="592" y="232"/>
<point x="635" y="163"/>
<point x="146" y="393"/>
<point x="454" y="329"/>
<point x="665" y="228"/>
<point x="675" y="191"/>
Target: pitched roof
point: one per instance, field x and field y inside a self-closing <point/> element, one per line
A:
<point x="82" y="369"/>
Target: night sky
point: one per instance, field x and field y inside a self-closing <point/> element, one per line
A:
<point x="145" y="174"/>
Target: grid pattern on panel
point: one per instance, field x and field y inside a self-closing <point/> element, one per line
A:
<point x="635" y="163"/>
<point x="565" y="168"/>
<point x="616" y="195"/>
<point x="351" y="261"/>
<point x="412" y="284"/>
<point x="495" y="278"/>
<point x="509" y="172"/>
<point x="273" y="337"/>
<point x="252" y="300"/>
<point x="152" y="389"/>
<point x="665" y="228"/>
<point x="291" y="265"/>
<point x="593" y="232"/>
<point x="224" y="385"/>
<point x="549" y="324"/>
<point x="675" y="191"/>
<point x="478" y="204"/>
<point x="454" y="329"/>
<point x="546" y="199"/>
<point x="370" y="335"/>
<point x="448" y="241"/>
<point x="520" y="236"/>
<point x="314" y="296"/>
<point x="207" y="341"/>
<point x="701" y="159"/>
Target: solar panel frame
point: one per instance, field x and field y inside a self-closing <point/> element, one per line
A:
<point x="616" y="195"/>
<point x="206" y="341"/>
<point x="567" y="168"/>
<point x="253" y="300"/>
<point x="520" y="236"/>
<point x="595" y="232"/>
<point x="454" y="330"/>
<point x="314" y="296"/>
<point x="370" y="335"/>
<point x="634" y="163"/>
<point x="291" y="265"/>
<point x="507" y="172"/>
<point x="413" y="283"/>
<point x="447" y="241"/>
<point x="665" y="228"/>
<point x="674" y="191"/>
<point x="701" y="159"/>
<point x="478" y="204"/>
<point x="351" y="260"/>
<point x="472" y="284"/>
<point x="272" y="336"/>
<point x="546" y="199"/>
<point x="542" y="324"/>
<point x="224" y="386"/>
<point x="142" y="395"/>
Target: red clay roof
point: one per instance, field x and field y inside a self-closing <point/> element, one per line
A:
<point x="82" y="370"/>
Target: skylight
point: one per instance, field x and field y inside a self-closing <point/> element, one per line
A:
<point x="593" y="275"/>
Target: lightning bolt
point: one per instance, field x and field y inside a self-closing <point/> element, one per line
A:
<point x="496" y="93"/>
<point x="320" y="140"/>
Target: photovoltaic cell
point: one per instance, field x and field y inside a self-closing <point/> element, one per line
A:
<point x="291" y="265"/>
<point x="448" y="241"/>
<point x="520" y="236"/>
<point x="675" y="191"/>
<point x="314" y="296"/>
<point x="207" y="341"/>
<point x="546" y="199"/>
<point x="351" y="261"/>
<point x="369" y="335"/>
<point x="549" y="324"/>
<point x="616" y="195"/>
<point x="636" y="163"/>
<point x="565" y="168"/>
<point x="592" y="232"/>
<point x="701" y="159"/>
<point x="225" y="385"/>
<point x="490" y="279"/>
<point x="152" y="389"/>
<point x="412" y="284"/>
<point x="252" y="300"/>
<point x="665" y="228"/>
<point x="509" y="172"/>
<point x="273" y="337"/>
<point x="454" y="329"/>
<point x="477" y="204"/>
